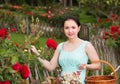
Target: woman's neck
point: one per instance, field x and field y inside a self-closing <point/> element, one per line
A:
<point x="74" y="40"/>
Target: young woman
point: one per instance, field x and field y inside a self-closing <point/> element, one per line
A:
<point x="73" y="54"/>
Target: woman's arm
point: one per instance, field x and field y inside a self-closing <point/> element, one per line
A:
<point x="93" y="56"/>
<point x="49" y="65"/>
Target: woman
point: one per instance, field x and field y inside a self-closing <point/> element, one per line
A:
<point x="73" y="54"/>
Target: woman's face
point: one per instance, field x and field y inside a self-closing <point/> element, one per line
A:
<point x="71" y="29"/>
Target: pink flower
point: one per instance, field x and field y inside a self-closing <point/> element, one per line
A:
<point x="5" y="82"/>
<point x="13" y="29"/>
<point x="25" y="73"/>
<point x="49" y="16"/>
<point x="49" y="12"/>
<point x="16" y="66"/>
<point x="51" y="43"/>
<point x="30" y="13"/>
<point x="78" y="72"/>
<point x="44" y="15"/>
<point x="61" y="12"/>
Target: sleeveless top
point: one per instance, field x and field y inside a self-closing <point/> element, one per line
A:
<point x="71" y="60"/>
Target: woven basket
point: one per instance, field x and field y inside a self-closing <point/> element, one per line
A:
<point x="103" y="79"/>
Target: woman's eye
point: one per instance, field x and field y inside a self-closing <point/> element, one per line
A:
<point x="66" y="27"/>
<point x="73" y="27"/>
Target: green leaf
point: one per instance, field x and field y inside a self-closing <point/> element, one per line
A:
<point x="110" y="42"/>
<point x="14" y="59"/>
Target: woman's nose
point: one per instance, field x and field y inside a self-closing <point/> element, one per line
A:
<point x="70" y="30"/>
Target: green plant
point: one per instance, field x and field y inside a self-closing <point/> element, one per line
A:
<point x="13" y="68"/>
<point x="14" y="57"/>
<point x="112" y="32"/>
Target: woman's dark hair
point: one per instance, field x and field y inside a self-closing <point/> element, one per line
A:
<point x="76" y="19"/>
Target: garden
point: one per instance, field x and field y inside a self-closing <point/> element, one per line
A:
<point x="24" y="23"/>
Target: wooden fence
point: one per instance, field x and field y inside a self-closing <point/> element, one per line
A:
<point x="106" y="53"/>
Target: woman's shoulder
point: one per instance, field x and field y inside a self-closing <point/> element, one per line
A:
<point x="88" y="45"/>
<point x="60" y="45"/>
<point x="86" y="42"/>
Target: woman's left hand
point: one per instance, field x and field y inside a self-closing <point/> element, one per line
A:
<point x="82" y="66"/>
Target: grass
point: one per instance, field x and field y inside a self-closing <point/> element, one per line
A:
<point x="20" y="38"/>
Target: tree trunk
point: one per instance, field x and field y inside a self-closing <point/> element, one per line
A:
<point x="6" y="1"/>
<point x="65" y="3"/>
<point x="71" y="3"/>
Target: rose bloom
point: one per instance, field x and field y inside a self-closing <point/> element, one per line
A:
<point x="51" y="43"/>
<point x="30" y="13"/>
<point x="16" y="66"/>
<point x="13" y="29"/>
<point x="99" y="21"/>
<point x="119" y="32"/>
<point x="114" y="29"/>
<point x="25" y="73"/>
<point x="5" y="82"/>
<point x="3" y="33"/>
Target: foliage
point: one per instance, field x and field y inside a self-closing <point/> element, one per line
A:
<point x="7" y="19"/>
<point x="10" y="55"/>
<point x="15" y="57"/>
<point x="112" y="34"/>
<point x="101" y="8"/>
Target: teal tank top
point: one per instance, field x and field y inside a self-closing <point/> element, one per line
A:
<point x="70" y="61"/>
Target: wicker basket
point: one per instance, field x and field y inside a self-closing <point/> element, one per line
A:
<point x="103" y="79"/>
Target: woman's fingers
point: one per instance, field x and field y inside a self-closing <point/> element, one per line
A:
<point x="82" y="66"/>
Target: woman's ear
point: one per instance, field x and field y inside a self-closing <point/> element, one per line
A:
<point x="79" y="28"/>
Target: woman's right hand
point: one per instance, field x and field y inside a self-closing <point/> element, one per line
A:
<point x="34" y="50"/>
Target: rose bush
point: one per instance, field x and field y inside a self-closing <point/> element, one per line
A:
<point x="112" y="30"/>
<point x="15" y="57"/>
<point x="112" y="36"/>
<point x="13" y="68"/>
<point x="47" y="51"/>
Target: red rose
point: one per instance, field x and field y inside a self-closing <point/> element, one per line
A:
<point x="3" y="33"/>
<point x="107" y="19"/>
<point x="119" y="32"/>
<point x="104" y="37"/>
<point x="13" y="29"/>
<point x="99" y="21"/>
<point x="106" y="33"/>
<point x="114" y="29"/>
<point x="51" y="43"/>
<point x="5" y="82"/>
<point x="16" y="66"/>
<point x="113" y="15"/>
<point x="30" y="13"/>
<point x="113" y="36"/>
<point x="25" y="73"/>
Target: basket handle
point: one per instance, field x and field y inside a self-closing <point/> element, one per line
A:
<point x="113" y="70"/>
